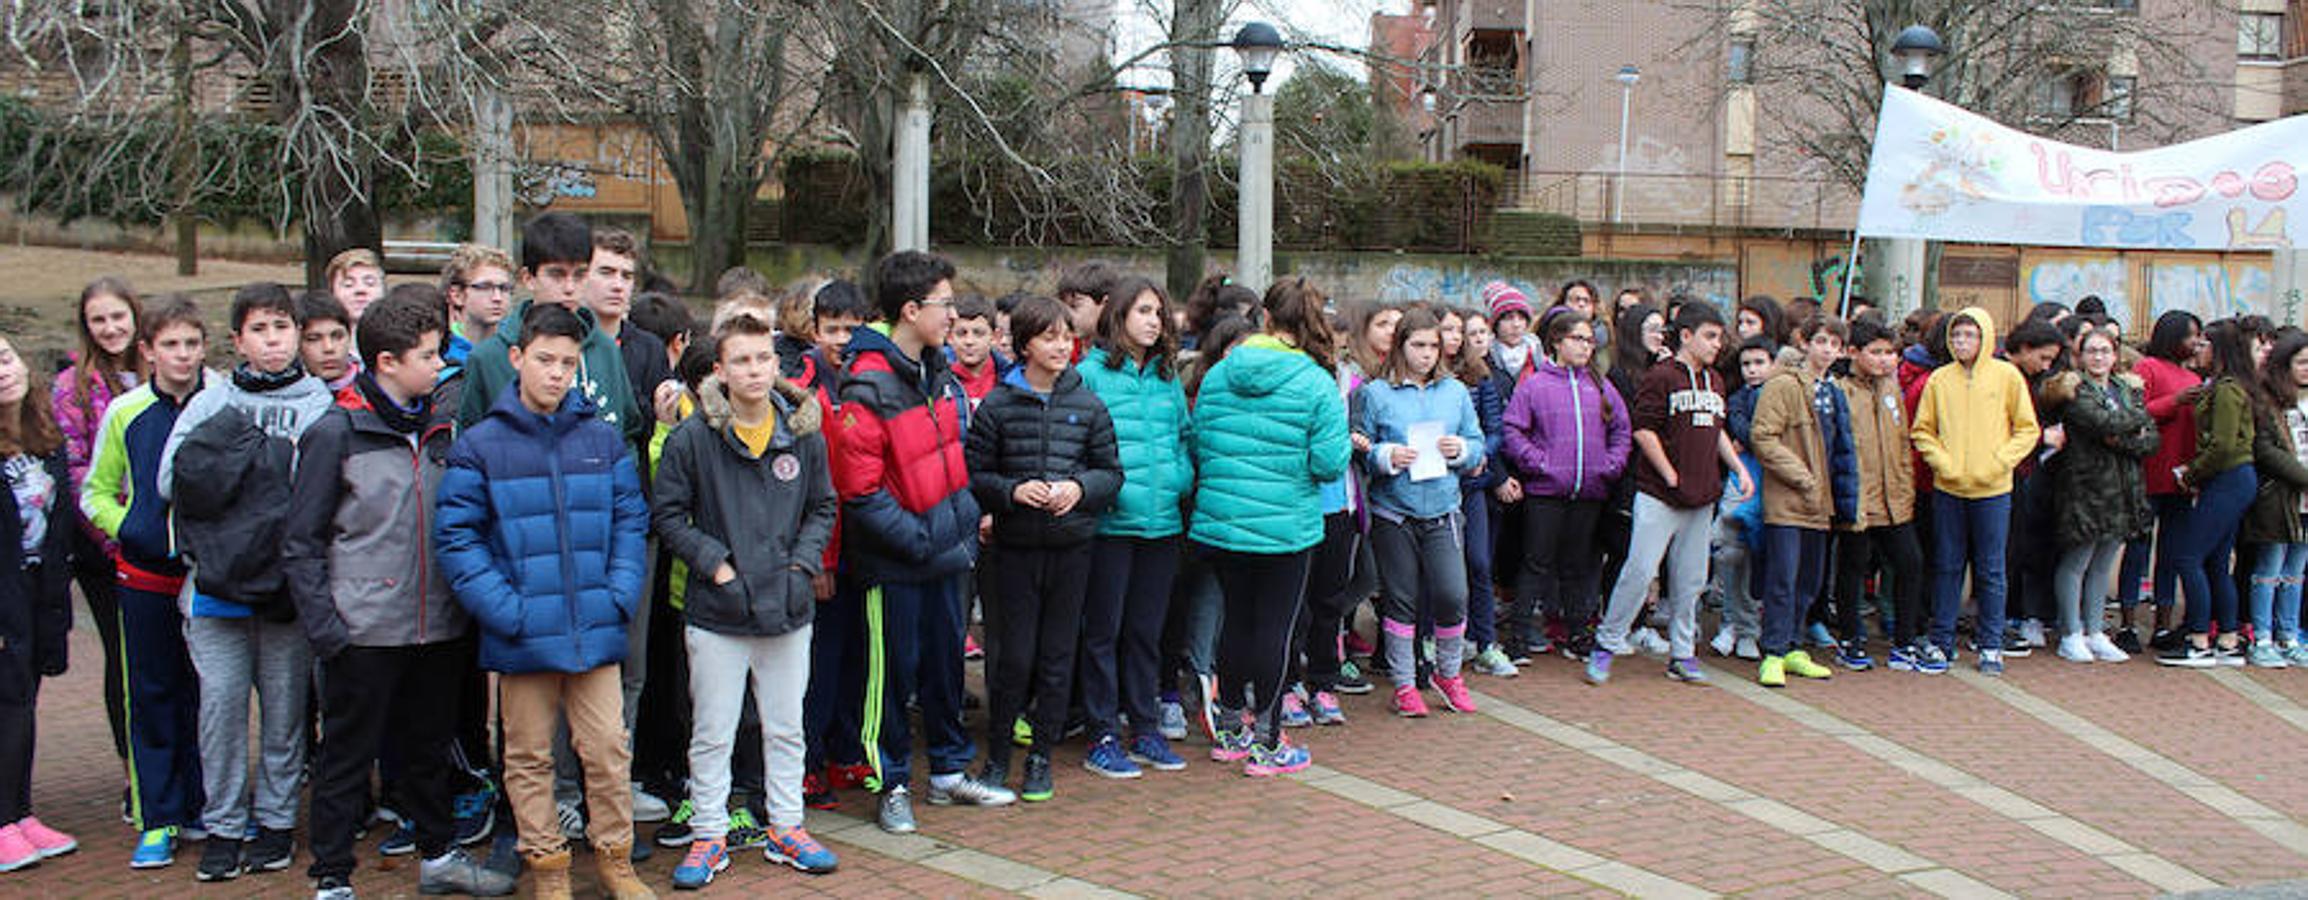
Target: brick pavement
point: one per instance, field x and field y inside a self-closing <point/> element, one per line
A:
<point x="1639" y="791"/>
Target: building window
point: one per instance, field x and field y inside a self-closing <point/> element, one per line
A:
<point x="2118" y="103"/>
<point x="1742" y="63"/>
<point x="2056" y="97"/>
<point x="2259" y="35"/>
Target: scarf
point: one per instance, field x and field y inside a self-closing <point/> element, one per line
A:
<point x="255" y="382"/>
<point x="405" y="420"/>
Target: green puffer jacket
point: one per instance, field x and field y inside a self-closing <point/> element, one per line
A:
<point x="1269" y="429"/>
<point x="2275" y="514"/>
<point x="1152" y="426"/>
<point x="2100" y="490"/>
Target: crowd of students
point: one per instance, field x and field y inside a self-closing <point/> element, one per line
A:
<point x="556" y="563"/>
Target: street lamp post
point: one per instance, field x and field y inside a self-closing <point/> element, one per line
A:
<point x="1258" y="44"/>
<point x="1627" y="77"/>
<point x="1897" y="275"/>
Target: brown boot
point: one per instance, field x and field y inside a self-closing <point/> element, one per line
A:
<point x="618" y="880"/>
<point x="549" y="874"/>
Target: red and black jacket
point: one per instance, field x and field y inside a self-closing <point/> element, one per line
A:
<point x="908" y="513"/>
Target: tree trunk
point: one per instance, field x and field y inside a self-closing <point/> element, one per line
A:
<point x="1194" y="22"/>
<point x="337" y="203"/>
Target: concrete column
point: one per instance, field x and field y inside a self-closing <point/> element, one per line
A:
<point x="2290" y="268"/>
<point x="1895" y="275"/>
<point x="910" y="219"/>
<point x="1254" y="262"/>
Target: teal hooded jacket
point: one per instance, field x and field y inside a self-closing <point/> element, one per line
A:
<point x="1269" y="429"/>
<point x="1152" y="427"/>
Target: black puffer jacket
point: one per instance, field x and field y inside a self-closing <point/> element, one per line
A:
<point x="1020" y="435"/>
<point x="35" y="603"/>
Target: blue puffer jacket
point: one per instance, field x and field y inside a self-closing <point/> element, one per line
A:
<point x="1269" y="428"/>
<point x="1153" y="428"/>
<point x="1491" y="412"/>
<point x="1385" y="411"/>
<point x="540" y="533"/>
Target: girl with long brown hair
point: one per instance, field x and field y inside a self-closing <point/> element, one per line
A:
<point x="35" y="597"/>
<point x="109" y="363"/>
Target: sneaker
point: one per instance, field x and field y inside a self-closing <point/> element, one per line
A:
<point x="457" y="872"/>
<point x="1818" y="635"/>
<point x="1798" y="663"/>
<point x="896" y="815"/>
<point x="1021" y="732"/>
<point x="1493" y="661"/>
<point x="1686" y="670"/>
<point x="745" y="831"/>
<point x="2031" y="633"/>
<point x="1521" y="656"/>
<point x="849" y="777"/>
<point x="334" y="887"/>
<point x="1173" y="726"/>
<point x="1230" y="744"/>
<point x="1356" y="646"/>
<point x="816" y="793"/>
<point x="1408" y="704"/>
<point x="1037" y="786"/>
<point x="1598" y="666"/>
<point x="1931" y="660"/>
<point x="2104" y="650"/>
<point x="273" y="850"/>
<point x="2166" y="639"/>
<point x="2074" y="648"/>
<point x="572" y="816"/>
<point x="1747" y="649"/>
<point x="1107" y="758"/>
<point x="16" y="851"/>
<point x="1900" y="659"/>
<point x="2265" y="655"/>
<point x="476" y="814"/>
<point x="676" y="831"/>
<point x="1153" y="751"/>
<point x="1456" y="698"/>
<point x="1724" y="642"/>
<point x="1648" y="642"/>
<point x="1294" y="713"/>
<point x="219" y="860"/>
<point x="402" y="842"/>
<point x="1853" y="655"/>
<point x="1773" y="672"/>
<point x="648" y="807"/>
<point x="2015" y="644"/>
<point x="967" y="791"/>
<point x="2296" y="653"/>
<point x="1281" y="759"/>
<point x="2231" y="655"/>
<point x="794" y="847"/>
<point x="1991" y="663"/>
<point x="706" y="859"/>
<point x="50" y="842"/>
<point x="155" y="849"/>
<point x="970" y="648"/>
<point x="1326" y="709"/>
<point x="1350" y="681"/>
<point x="2128" y="640"/>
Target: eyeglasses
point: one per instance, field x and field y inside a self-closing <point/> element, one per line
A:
<point x="948" y="304"/>
<point x="487" y="287"/>
<point x="1579" y="338"/>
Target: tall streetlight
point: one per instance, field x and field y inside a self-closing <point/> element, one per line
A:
<point x="1258" y="44"/>
<point x="1898" y="278"/>
<point x="1627" y="77"/>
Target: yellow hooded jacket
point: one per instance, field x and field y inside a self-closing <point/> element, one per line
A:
<point x="1975" y="422"/>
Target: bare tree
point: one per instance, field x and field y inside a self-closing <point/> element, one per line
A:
<point x="2055" y="67"/>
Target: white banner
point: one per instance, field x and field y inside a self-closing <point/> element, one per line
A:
<point x="1941" y="173"/>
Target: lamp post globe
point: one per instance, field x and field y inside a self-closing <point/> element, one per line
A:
<point x="1258" y="44"/>
<point x="1916" y="49"/>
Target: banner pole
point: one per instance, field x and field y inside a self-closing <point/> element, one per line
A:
<point x="1850" y="268"/>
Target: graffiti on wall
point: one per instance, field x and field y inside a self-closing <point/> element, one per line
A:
<point x="2211" y="289"/>
<point x="2066" y="277"/>
<point x="1463" y="284"/>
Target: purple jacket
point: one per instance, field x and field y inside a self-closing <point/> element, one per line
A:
<point x="1557" y="438"/>
<point x="80" y="425"/>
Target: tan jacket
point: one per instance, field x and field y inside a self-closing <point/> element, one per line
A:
<point x="1879" y="433"/>
<point x="1792" y="449"/>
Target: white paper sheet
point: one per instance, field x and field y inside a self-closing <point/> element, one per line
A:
<point x="1426" y="438"/>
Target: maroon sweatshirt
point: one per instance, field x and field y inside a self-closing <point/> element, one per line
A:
<point x="1685" y="408"/>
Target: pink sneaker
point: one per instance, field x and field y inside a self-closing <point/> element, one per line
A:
<point x="48" y="841"/>
<point x="1408" y="704"/>
<point x="970" y="648"/>
<point x="15" y="851"/>
<point x="1455" y="696"/>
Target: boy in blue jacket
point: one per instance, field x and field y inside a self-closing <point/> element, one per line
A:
<point x="540" y="532"/>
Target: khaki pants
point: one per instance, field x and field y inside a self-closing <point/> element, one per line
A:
<point x="531" y="704"/>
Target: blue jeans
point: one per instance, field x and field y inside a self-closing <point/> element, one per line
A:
<point x="2204" y="544"/>
<point x="1966" y="531"/>
<point x="2276" y="591"/>
<point x="2171" y="518"/>
<point x="1482" y="597"/>
<point x="1794" y="565"/>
